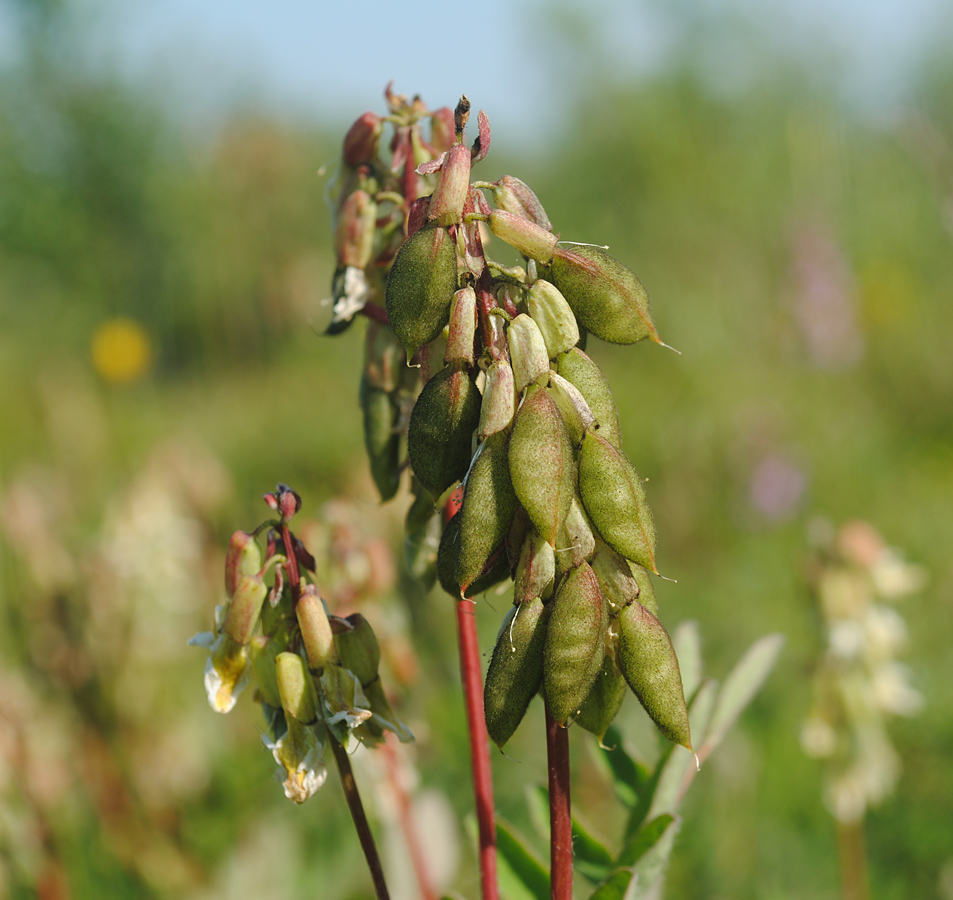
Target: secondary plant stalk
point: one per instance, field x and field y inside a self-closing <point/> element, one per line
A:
<point x="560" y="812"/>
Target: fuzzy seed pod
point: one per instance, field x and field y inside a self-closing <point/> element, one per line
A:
<point x="614" y="498"/>
<point x="604" y="700"/>
<point x="362" y="140"/>
<point x="572" y="406"/>
<point x="516" y="669"/>
<point x="513" y="196"/>
<point x="446" y="204"/>
<point x="553" y="315"/>
<point x="381" y="438"/>
<point x="315" y="628"/>
<point x="497" y="568"/>
<point x="575" y="542"/>
<point x="532" y="240"/>
<point x="462" y="330"/>
<point x="242" y="558"/>
<point x="575" y="642"/>
<point x="499" y="399"/>
<point x="648" y="662"/>
<point x="421" y="285"/>
<point x="536" y="569"/>
<point x="354" y="233"/>
<point x="295" y="687"/>
<point x="646" y="588"/>
<point x="527" y="352"/>
<point x="606" y="297"/>
<point x="541" y="462"/>
<point x="581" y="371"/>
<point x="616" y="578"/>
<point x="244" y="609"/>
<point x="486" y="515"/>
<point x="440" y="434"/>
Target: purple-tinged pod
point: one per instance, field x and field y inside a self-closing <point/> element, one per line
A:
<point x="499" y="399"/>
<point x="381" y="438"/>
<point x="420" y="287"/>
<point x="554" y="316"/>
<point x="648" y="662"/>
<point x="462" y="329"/>
<point x="575" y="642"/>
<point x="578" y="369"/>
<point x="613" y="496"/>
<point x="440" y="433"/>
<point x="536" y="569"/>
<point x="605" y="699"/>
<point x="446" y="204"/>
<point x="515" y="671"/>
<point x="514" y="196"/>
<point x="532" y="240"/>
<point x="315" y="628"/>
<point x="354" y="234"/>
<point x="362" y="140"/>
<point x="243" y="557"/>
<point x="487" y="512"/>
<point x="606" y="297"/>
<point x="615" y="574"/>
<point x="244" y="609"/>
<point x="541" y="462"/>
<point x="527" y="352"/>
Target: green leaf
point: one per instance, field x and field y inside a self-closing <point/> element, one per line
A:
<point x="651" y="867"/>
<point x="646" y="838"/>
<point x="688" y="649"/>
<point x="630" y="777"/>
<point x="618" y="886"/>
<point x="592" y="858"/>
<point x="740" y="686"/>
<point x="523" y="876"/>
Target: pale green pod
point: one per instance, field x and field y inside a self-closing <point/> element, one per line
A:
<point x="575" y="542"/>
<point x="516" y="669"/>
<point x="381" y="438"/>
<point x="462" y="329"/>
<point x="440" y="434"/>
<point x="527" y="352"/>
<point x="553" y="316"/>
<point x="536" y="569"/>
<point x="613" y="496"/>
<point x="499" y="399"/>
<point x="572" y="406"/>
<point x="578" y="369"/>
<point x="541" y="462"/>
<point x="532" y="240"/>
<point x="315" y="628"/>
<point x="295" y="687"/>
<point x="244" y="609"/>
<point x="486" y="514"/>
<point x="646" y="588"/>
<point x="420" y="287"/>
<point x="648" y="662"/>
<point x="606" y="297"/>
<point x="243" y="557"/>
<point x="616" y="577"/>
<point x="575" y="642"/>
<point x="605" y="699"/>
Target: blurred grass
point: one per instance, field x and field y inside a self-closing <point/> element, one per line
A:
<point x="799" y="259"/>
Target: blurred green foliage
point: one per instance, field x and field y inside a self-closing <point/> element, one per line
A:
<point x="800" y="260"/>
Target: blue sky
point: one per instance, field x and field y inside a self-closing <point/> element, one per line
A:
<point x="331" y="60"/>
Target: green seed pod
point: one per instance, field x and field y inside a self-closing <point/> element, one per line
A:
<point x="499" y="399"/>
<point x="604" y="701"/>
<point x="381" y="438"/>
<point x="295" y="687"/>
<point x="263" y="652"/>
<point x="422" y="531"/>
<point x="553" y="315"/>
<point x="421" y="285"/>
<point x="646" y="588"/>
<point x="541" y="462"/>
<point x="489" y="505"/>
<point x="497" y="568"/>
<point x="516" y="669"/>
<point x="616" y="577"/>
<point x="532" y="240"/>
<point x="527" y="352"/>
<point x="462" y="329"/>
<point x="358" y="649"/>
<point x="572" y="407"/>
<point x="244" y="609"/>
<point x="648" y="662"/>
<point x="575" y="542"/>
<point x="243" y="557"/>
<point x="440" y="435"/>
<point x="536" y="569"/>
<point x="385" y="367"/>
<point x="514" y="196"/>
<point x="580" y="370"/>
<point x="606" y="297"/>
<point x="575" y="642"/>
<point x="614" y="498"/>
<point x="315" y="628"/>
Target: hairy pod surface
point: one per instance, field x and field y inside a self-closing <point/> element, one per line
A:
<point x="536" y="569"/>
<point x="532" y="240"/>
<point x="572" y="406"/>
<point x="614" y="498"/>
<point x="527" y="352"/>
<point x="381" y="438"/>
<point x="606" y="297"/>
<point x="575" y="642"/>
<point x="616" y="577"/>
<point x="646" y="588"/>
<point x="420" y="287"/>
<point x="486" y="515"/>
<point x="462" y="330"/>
<point x="575" y="542"/>
<point x="516" y="669"/>
<point x="648" y="662"/>
<point x="579" y="369"/>
<point x="499" y="399"/>
<point x="554" y="317"/>
<point x="448" y="556"/>
<point x="604" y="701"/>
<point x="541" y="462"/>
<point x="440" y="434"/>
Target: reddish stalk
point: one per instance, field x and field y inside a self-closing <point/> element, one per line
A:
<point x="560" y="812"/>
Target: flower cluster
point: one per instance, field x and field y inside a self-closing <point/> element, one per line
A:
<point x="859" y="683"/>
<point x="317" y="675"/>
<point x="514" y="431"/>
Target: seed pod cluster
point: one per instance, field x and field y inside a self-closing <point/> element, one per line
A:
<point x="512" y="414"/>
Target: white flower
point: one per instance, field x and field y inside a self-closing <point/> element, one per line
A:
<point x="299" y="753"/>
<point x="892" y="690"/>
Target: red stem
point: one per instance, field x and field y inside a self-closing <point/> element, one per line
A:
<point x="479" y="745"/>
<point x="560" y="812"/>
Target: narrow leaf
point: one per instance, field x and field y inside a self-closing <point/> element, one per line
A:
<point x="651" y="867"/>
<point x="687" y="641"/>
<point x="593" y="859"/>
<point x="630" y="777"/>
<point x="645" y="840"/>
<point x="744" y="681"/>
<point x="618" y="886"/>
<point x="522" y="870"/>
